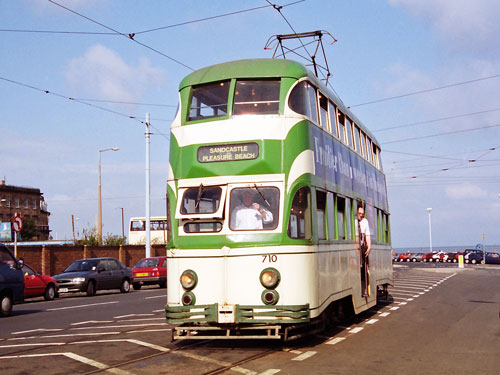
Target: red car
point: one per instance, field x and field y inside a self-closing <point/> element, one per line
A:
<point x="149" y="271"/>
<point x="36" y="284"/>
<point x="405" y="257"/>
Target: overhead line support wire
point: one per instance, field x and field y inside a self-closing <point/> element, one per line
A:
<point x="128" y="36"/>
<point x="425" y="91"/>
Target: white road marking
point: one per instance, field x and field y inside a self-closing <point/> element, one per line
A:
<point x="164" y="296"/>
<point x="75" y="357"/>
<point x="91" y="321"/>
<point x="335" y="340"/>
<point x="385" y="314"/>
<point x="214" y="361"/>
<point x="304" y="356"/>
<point x="123" y="326"/>
<point x="394" y="308"/>
<point x="372" y="321"/>
<point x="38" y="330"/>
<point x="156" y="311"/>
<point x="139" y="320"/>
<point x="130" y="315"/>
<point x="356" y="330"/>
<point x="66" y="335"/>
<point x="150" y="330"/>
<point x="271" y="371"/>
<point x="78" y="306"/>
<point x="33" y="344"/>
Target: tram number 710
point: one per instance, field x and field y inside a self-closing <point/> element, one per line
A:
<point x="270" y="258"/>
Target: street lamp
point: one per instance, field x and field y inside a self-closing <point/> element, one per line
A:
<point x="99" y="222"/>
<point x="430" y="232"/>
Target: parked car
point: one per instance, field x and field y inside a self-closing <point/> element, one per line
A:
<point x="453" y="256"/>
<point x="11" y="281"/>
<point x="473" y="256"/>
<point x="404" y="257"/>
<point x="91" y="275"/>
<point x="427" y="257"/>
<point x="492" y="258"/>
<point x="417" y="257"/>
<point x="150" y="271"/>
<point x="36" y="284"/>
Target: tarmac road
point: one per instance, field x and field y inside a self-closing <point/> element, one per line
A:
<point x="438" y="320"/>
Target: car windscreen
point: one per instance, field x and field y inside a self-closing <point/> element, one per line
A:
<point x="148" y="262"/>
<point x="82" y="265"/>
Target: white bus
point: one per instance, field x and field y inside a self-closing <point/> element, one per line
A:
<point x="137" y="230"/>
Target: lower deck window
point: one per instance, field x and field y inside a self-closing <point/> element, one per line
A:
<point x="299" y="226"/>
<point x="254" y="208"/>
<point x="203" y="227"/>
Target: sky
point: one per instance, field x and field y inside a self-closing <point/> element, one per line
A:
<point x="423" y="76"/>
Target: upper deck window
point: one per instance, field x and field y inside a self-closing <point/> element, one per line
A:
<point x="257" y="97"/>
<point x="303" y="100"/>
<point x="209" y="101"/>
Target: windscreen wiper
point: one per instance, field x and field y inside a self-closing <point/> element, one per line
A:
<point x="198" y="198"/>
<point x="262" y="195"/>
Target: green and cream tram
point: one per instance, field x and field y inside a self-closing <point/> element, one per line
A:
<point x="267" y="168"/>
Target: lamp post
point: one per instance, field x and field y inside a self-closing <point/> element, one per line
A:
<point x="99" y="219"/>
<point x="430" y="231"/>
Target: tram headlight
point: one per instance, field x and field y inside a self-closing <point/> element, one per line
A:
<point x="188" y="299"/>
<point x="270" y="297"/>
<point x="189" y="279"/>
<point x="270" y="278"/>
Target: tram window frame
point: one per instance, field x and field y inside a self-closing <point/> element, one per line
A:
<point x="349" y="137"/>
<point x="300" y="223"/>
<point x="202" y="227"/>
<point x="341" y="125"/>
<point x="321" y="215"/>
<point x="362" y="143"/>
<point x="340" y="215"/>
<point x="208" y="94"/>
<point x="332" y="113"/>
<point x="266" y="101"/>
<point x="356" y="138"/>
<point x="330" y="214"/>
<point x="375" y="155"/>
<point x="303" y="100"/>
<point x="369" y="150"/>
<point x="261" y="195"/>
<point x="323" y="111"/>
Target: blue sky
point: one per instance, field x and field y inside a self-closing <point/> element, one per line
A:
<point x="385" y="49"/>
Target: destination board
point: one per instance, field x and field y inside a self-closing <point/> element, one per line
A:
<point x="228" y="152"/>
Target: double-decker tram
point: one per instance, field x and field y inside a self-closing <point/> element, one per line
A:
<point x="267" y="169"/>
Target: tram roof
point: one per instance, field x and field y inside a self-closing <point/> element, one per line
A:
<point x="265" y="68"/>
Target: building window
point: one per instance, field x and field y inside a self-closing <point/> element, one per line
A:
<point x="26" y="203"/>
<point x="17" y="202"/>
<point x="34" y="204"/>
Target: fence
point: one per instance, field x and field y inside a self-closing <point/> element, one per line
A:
<point x="53" y="259"/>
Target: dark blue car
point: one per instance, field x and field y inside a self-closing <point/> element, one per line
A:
<point x="492" y="258"/>
<point x="11" y="281"/>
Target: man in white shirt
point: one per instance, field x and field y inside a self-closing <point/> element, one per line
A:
<point x="365" y="244"/>
<point x="250" y="215"/>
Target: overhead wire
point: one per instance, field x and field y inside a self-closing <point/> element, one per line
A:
<point x="436" y="120"/>
<point x="425" y="91"/>
<point x="128" y="36"/>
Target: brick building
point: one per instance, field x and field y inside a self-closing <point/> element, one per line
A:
<point x="28" y="203"/>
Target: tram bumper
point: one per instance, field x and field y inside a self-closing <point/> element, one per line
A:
<point x="238" y="314"/>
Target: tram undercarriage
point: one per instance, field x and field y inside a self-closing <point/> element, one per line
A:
<point x="337" y="312"/>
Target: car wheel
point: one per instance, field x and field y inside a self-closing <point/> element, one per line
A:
<point x="473" y="261"/>
<point x="5" y="305"/>
<point x="50" y="293"/>
<point x="137" y="286"/>
<point x="413" y="260"/>
<point x="125" y="288"/>
<point x="91" y="289"/>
